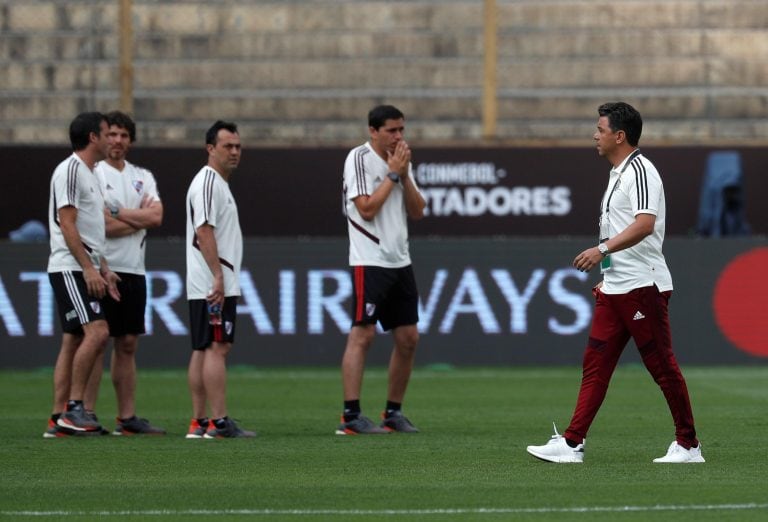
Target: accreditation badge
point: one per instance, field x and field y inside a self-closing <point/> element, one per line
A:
<point x="605" y="264"/>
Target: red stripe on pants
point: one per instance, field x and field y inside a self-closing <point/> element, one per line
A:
<point x="218" y="333"/>
<point x="616" y="319"/>
<point x="359" y="293"/>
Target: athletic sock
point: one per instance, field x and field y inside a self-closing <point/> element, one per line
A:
<point x="571" y="443"/>
<point x="220" y="423"/>
<point x="393" y="407"/>
<point x="351" y="410"/>
<point x="71" y="405"/>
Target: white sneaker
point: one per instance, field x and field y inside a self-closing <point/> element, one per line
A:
<point x="557" y="450"/>
<point x="676" y="454"/>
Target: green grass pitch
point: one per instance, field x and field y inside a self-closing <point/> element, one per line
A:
<point x="469" y="462"/>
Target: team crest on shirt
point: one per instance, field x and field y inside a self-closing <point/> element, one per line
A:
<point x="370" y="308"/>
<point x="95" y="306"/>
<point x="138" y="185"/>
<point x="228" y="327"/>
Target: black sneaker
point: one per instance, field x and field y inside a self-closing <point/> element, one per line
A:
<point x="360" y="425"/>
<point x="396" y="421"/>
<point x="93" y="417"/>
<point x="230" y="431"/>
<point x="136" y="426"/>
<point x="78" y="420"/>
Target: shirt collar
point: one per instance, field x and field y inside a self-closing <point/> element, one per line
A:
<point x="624" y="164"/>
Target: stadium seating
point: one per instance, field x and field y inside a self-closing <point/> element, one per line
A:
<point x="305" y="72"/>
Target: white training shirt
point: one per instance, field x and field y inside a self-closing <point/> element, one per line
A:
<point x="382" y="241"/>
<point x="635" y="187"/>
<point x="210" y="201"/>
<point x="125" y="189"/>
<point x="74" y="184"/>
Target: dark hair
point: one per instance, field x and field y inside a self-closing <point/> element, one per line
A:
<point x="622" y="116"/>
<point x="81" y="128"/>
<point x="122" y="120"/>
<point x="213" y="133"/>
<point x="379" y="115"/>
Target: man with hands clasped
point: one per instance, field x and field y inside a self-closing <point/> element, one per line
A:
<point x="380" y="194"/>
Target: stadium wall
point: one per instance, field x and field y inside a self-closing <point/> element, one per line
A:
<point x="471" y="191"/>
<point x="483" y="302"/>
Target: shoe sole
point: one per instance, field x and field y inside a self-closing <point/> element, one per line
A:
<point x="64" y="424"/>
<point x="394" y="430"/>
<point x="351" y="432"/>
<point x="192" y="436"/>
<point x="695" y="460"/>
<point x="117" y="433"/>
<point x="556" y="460"/>
<point x="62" y="435"/>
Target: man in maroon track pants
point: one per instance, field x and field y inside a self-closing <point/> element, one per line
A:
<point x="632" y="300"/>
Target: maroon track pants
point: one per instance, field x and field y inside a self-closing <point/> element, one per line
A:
<point x="643" y="315"/>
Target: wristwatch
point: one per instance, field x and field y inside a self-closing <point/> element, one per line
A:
<point x="603" y="248"/>
<point x="114" y="210"/>
<point x="394" y="177"/>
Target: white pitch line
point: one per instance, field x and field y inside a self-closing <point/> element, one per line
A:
<point x="389" y="512"/>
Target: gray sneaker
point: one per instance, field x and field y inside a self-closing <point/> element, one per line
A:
<point x="230" y="431"/>
<point x="361" y="425"/>
<point x="78" y="419"/>
<point x="93" y="417"/>
<point x="396" y="421"/>
<point x="136" y="426"/>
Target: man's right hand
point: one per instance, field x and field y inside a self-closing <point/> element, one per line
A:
<point x="399" y="160"/>
<point x="97" y="285"/>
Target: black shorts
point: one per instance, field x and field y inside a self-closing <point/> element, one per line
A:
<point x="126" y="316"/>
<point x="386" y="295"/>
<point x="202" y="332"/>
<point x="73" y="303"/>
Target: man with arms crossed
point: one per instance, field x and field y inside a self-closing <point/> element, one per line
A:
<point x="632" y="300"/>
<point x="214" y="256"/>
<point x="132" y="206"/>
<point x="379" y="195"/>
<point x="78" y="272"/>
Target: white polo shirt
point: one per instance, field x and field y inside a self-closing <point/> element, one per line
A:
<point x="209" y="201"/>
<point x="635" y="187"/>
<point x="74" y="184"/>
<point x="382" y="241"/>
<point x="125" y="189"/>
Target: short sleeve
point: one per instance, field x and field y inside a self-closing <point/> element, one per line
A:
<point x="357" y="180"/>
<point x="151" y="186"/>
<point x="203" y="202"/>
<point x="644" y="188"/>
<point x="66" y="186"/>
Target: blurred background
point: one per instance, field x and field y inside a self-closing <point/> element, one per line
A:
<point x="306" y="71"/>
<point x="500" y="99"/>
